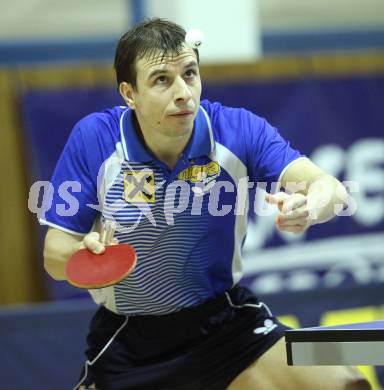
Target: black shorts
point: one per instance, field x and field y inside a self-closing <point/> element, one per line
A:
<point x="204" y="347"/>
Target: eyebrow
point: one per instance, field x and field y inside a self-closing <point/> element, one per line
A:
<point x="191" y="64"/>
<point x="157" y="72"/>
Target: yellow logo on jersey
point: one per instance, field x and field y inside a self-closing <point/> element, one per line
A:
<point x="139" y="186"/>
<point x="199" y="173"/>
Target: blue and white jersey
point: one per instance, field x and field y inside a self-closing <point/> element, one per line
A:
<point x="187" y="224"/>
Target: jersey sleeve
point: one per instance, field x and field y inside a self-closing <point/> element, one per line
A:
<point x="269" y="154"/>
<point x="72" y="190"/>
<point x="259" y="146"/>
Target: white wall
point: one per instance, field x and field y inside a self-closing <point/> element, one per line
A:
<point x="231" y="28"/>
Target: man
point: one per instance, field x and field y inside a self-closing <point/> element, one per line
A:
<point x="167" y="170"/>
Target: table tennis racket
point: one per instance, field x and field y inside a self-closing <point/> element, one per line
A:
<point x="88" y="270"/>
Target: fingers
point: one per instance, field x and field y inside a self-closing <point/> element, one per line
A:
<point x="96" y="242"/>
<point x="301" y="212"/>
<point x="294" y="214"/>
<point x="291" y="205"/>
<point x="92" y="242"/>
<point x="277" y="199"/>
<point x="298" y="225"/>
<point x="297" y="229"/>
<point x="107" y="232"/>
<point x="281" y="222"/>
<point x="294" y="202"/>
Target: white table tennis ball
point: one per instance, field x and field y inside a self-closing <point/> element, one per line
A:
<point x="194" y="38"/>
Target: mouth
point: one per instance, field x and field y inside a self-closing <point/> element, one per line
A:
<point x="182" y="114"/>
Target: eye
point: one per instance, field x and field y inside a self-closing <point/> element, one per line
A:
<point x="190" y="74"/>
<point x="161" y="80"/>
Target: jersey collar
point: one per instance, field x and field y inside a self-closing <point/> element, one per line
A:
<point x="201" y="143"/>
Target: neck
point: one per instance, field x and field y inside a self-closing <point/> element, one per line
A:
<point x="166" y="149"/>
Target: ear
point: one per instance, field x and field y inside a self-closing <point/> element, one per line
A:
<point x="127" y="92"/>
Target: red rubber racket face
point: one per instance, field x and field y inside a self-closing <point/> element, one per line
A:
<point x="85" y="269"/>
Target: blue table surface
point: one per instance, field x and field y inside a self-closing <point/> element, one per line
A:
<point x="372" y="325"/>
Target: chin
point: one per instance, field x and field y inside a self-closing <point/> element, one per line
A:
<point x="184" y="131"/>
<point x="181" y="132"/>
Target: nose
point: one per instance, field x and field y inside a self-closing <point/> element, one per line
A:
<point x="182" y="91"/>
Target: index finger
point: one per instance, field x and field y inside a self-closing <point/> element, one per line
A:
<point x="294" y="202"/>
<point x="107" y="232"/>
<point x="277" y="198"/>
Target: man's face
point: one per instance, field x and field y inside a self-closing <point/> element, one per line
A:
<point x="167" y="94"/>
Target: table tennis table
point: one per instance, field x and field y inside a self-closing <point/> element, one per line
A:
<point x="352" y="344"/>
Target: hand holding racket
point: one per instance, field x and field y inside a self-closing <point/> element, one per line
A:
<point x="102" y="262"/>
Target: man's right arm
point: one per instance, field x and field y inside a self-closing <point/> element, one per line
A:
<point x="59" y="246"/>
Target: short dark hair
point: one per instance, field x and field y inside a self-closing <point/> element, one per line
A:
<point x="146" y="39"/>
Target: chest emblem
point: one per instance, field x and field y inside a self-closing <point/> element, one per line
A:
<point x="202" y="176"/>
<point x="139" y="186"/>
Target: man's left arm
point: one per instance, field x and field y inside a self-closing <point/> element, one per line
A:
<point x="311" y="196"/>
